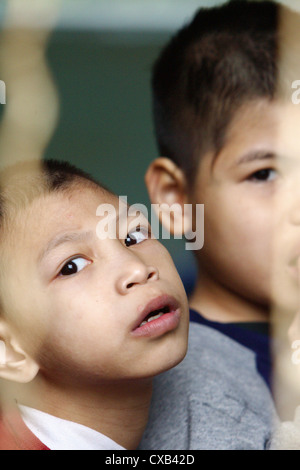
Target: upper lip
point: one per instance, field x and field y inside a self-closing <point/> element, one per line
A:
<point x="157" y="303"/>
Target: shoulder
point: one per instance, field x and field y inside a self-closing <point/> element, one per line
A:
<point x="208" y="341"/>
<point x="214" y="399"/>
<point x="213" y="359"/>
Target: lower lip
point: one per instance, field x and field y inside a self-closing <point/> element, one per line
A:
<point x="167" y="322"/>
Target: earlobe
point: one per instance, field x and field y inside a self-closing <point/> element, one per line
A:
<point x="166" y="184"/>
<point x="15" y="364"/>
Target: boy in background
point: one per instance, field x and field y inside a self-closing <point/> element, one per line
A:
<point x="216" y="119"/>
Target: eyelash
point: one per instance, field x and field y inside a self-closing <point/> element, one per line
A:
<point x="142" y="230"/>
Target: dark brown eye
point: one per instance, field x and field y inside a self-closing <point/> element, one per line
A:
<point x="74" y="266"/>
<point x="137" y="235"/>
<point x="267" y="174"/>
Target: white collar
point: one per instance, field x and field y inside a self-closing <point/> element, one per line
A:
<point x="60" y="434"/>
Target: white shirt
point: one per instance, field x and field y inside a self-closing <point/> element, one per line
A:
<point x="60" y="434"/>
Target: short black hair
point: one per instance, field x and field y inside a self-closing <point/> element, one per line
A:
<point x="227" y="55"/>
<point x="22" y="182"/>
<point x="60" y="173"/>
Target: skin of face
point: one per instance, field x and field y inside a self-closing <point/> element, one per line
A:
<point x="79" y="327"/>
<point x="238" y="188"/>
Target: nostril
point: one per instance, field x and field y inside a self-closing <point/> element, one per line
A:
<point x="139" y="277"/>
<point x="153" y="274"/>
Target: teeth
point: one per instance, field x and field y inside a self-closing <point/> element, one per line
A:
<point x="160" y="314"/>
<point x="155" y="317"/>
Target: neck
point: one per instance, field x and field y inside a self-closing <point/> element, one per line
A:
<point x="118" y="410"/>
<point x="217" y="303"/>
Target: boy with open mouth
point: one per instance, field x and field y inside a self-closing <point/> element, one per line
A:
<point x="85" y="323"/>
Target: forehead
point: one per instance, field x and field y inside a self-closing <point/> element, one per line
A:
<point x="261" y="131"/>
<point x="258" y="116"/>
<point x="254" y="127"/>
<point x="264" y="125"/>
<point x="56" y="212"/>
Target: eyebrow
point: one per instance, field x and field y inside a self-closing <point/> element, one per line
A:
<point x="254" y="156"/>
<point x="61" y="239"/>
<point x="72" y="237"/>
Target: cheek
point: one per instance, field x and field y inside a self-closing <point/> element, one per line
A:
<point x="72" y="311"/>
<point x="80" y="337"/>
<point x="237" y="244"/>
<point x="240" y="223"/>
<point x="167" y="269"/>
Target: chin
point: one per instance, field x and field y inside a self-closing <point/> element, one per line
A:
<point x="167" y="365"/>
<point x="174" y="360"/>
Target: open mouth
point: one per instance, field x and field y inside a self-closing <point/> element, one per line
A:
<point x="160" y="315"/>
<point x="155" y="314"/>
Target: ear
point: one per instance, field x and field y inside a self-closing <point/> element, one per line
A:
<point x="15" y="364"/>
<point x="167" y="188"/>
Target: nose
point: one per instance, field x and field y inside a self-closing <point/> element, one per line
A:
<point x="135" y="273"/>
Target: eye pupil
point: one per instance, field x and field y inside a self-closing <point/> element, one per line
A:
<point x="74" y="266"/>
<point x="136" y="236"/>
<point x="130" y="241"/>
<point x="69" y="268"/>
<point x="263" y="174"/>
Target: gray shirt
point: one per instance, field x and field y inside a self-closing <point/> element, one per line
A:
<point x="215" y="399"/>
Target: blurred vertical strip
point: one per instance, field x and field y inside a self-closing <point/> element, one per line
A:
<point x="31" y="111"/>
